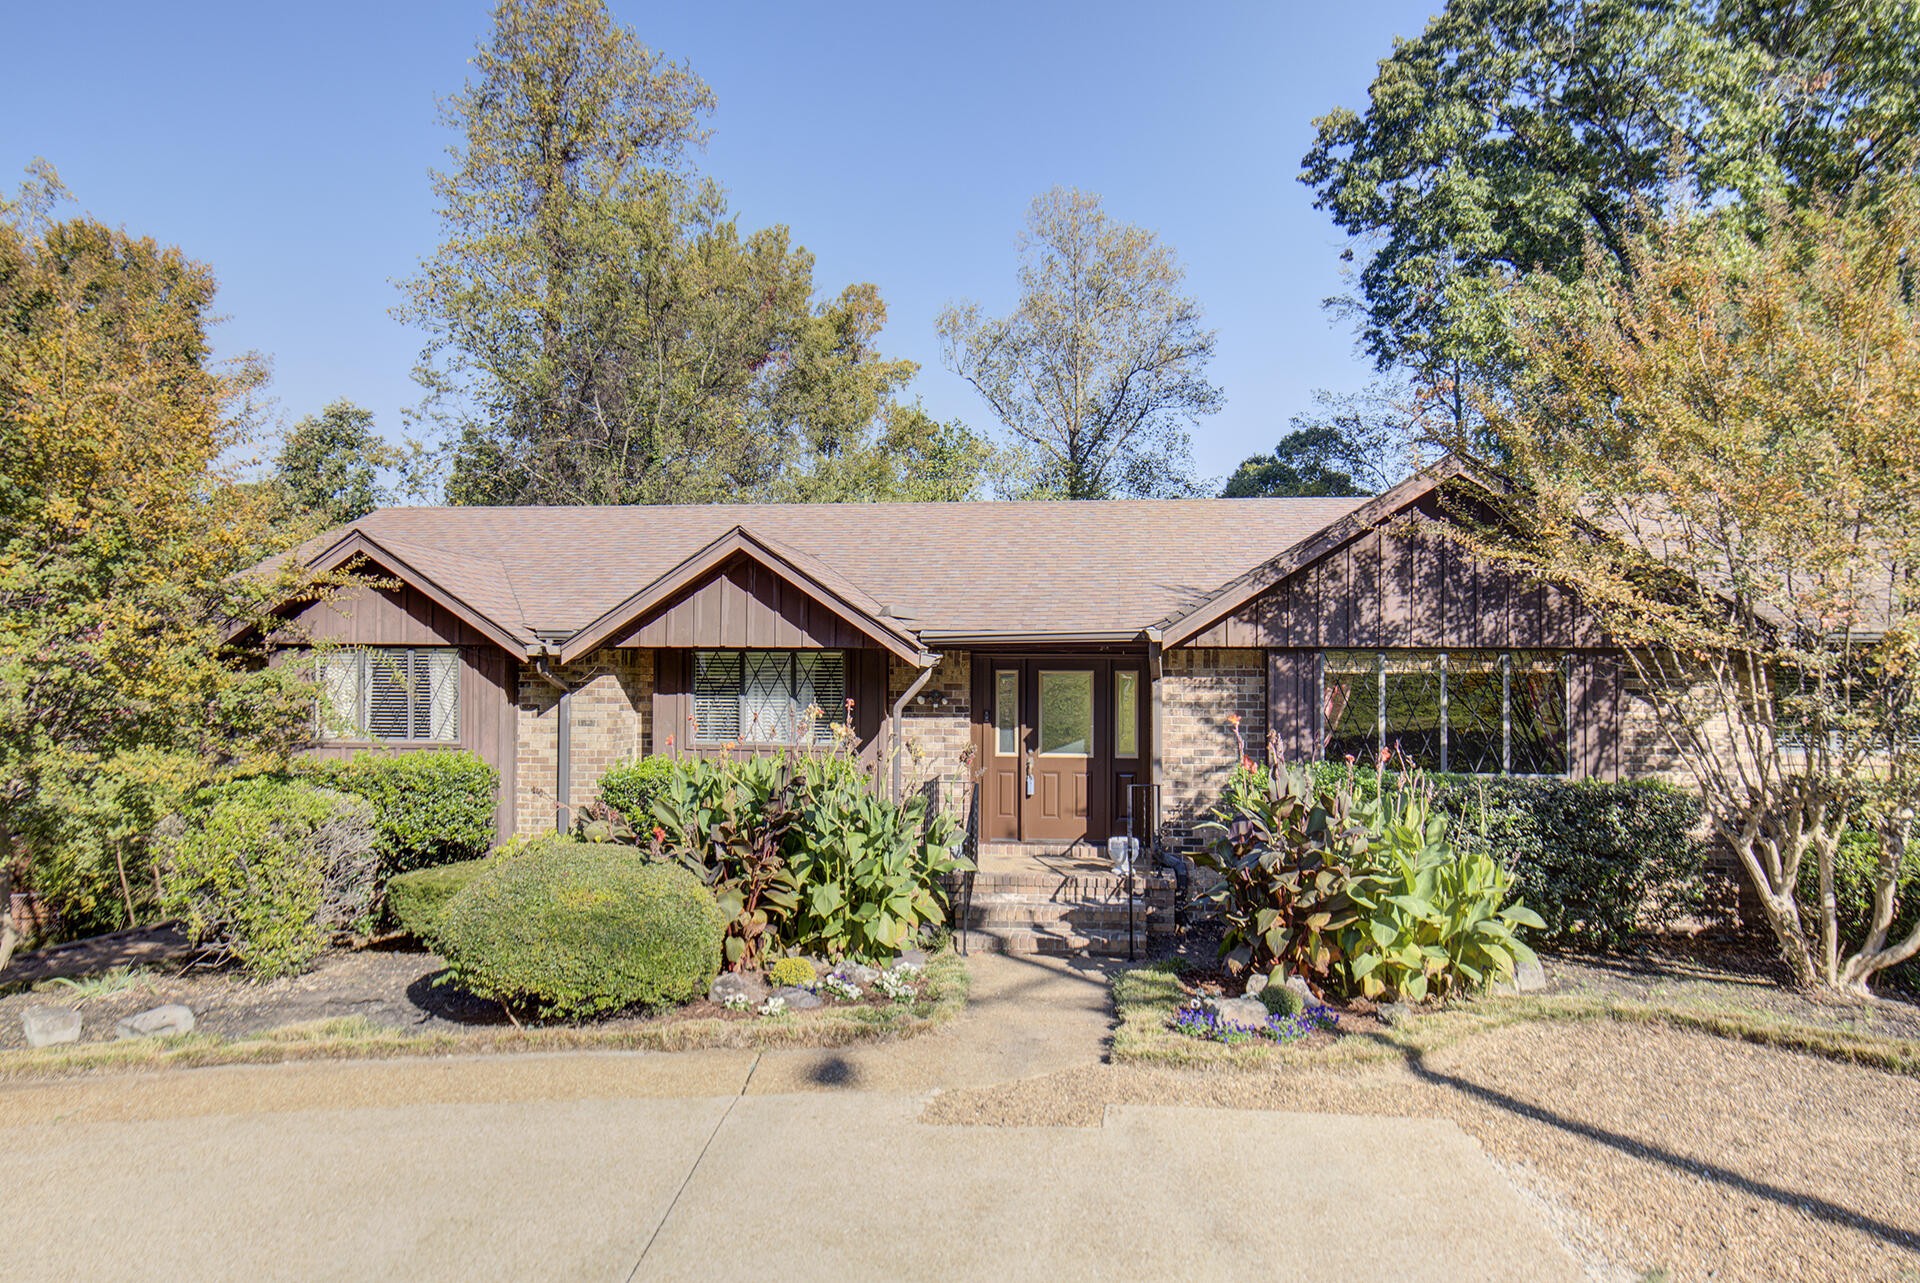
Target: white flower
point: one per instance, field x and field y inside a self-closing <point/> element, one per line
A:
<point x="773" y="1006"/>
<point x="736" y="1002"/>
<point x="841" y="987"/>
<point x="895" y="986"/>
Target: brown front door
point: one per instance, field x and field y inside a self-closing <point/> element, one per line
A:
<point x="1061" y="738"/>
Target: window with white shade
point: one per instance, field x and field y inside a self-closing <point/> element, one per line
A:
<point x="768" y="696"/>
<point x="399" y="693"/>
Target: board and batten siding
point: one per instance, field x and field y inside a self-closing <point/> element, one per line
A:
<point x="1400" y="588"/>
<point x="489" y="677"/>
<point x="746" y="606"/>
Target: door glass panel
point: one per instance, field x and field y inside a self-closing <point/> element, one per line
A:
<point x="1126" y="713"/>
<point x="1006" y="712"/>
<point x="1066" y="713"/>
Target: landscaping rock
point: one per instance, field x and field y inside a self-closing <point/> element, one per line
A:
<point x="1255" y="983"/>
<point x="912" y="958"/>
<point x="170" y="1019"/>
<point x="1240" y="1011"/>
<point x="798" y="999"/>
<point x="857" y="972"/>
<point x="750" y="985"/>
<point x="1529" y="976"/>
<point x="1396" y="1013"/>
<point x="47" y="1026"/>
<point x="1299" y="986"/>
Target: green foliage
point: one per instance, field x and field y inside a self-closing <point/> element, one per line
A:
<point x="122" y="539"/>
<point x="433" y="806"/>
<point x="1505" y="138"/>
<point x="1319" y="459"/>
<point x="416" y="899"/>
<point x="867" y="867"/>
<point x="266" y="870"/>
<point x="791" y="971"/>
<point x="578" y="929"/>
<point x="601" y="330"/>
<point x="1598" y="861"/>
<point x="1282" y="999"/>
<point x="329" y="464"/>
<point x="632" y="787"/>
<point x="1361" y="893"/>
<point x="1101" y="368"/>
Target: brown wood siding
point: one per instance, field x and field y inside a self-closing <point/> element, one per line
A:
<point x="1293" y="703"/>
<point x="1395" y="588"/>
<point x="743" y="605"/>
<point x="489" y="677"/>
<point x="1597" y="688"/>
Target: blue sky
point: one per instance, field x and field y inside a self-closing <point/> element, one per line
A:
<point x="288" y="146"/>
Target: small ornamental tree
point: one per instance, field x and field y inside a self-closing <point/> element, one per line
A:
<point x="1718" y="447"/>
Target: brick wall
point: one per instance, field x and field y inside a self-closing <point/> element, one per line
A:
<point x="612" y="708"/>
<point x="1204" y="689"/>
<point x="938" y="730"/>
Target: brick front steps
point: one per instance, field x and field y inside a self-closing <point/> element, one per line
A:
<point x="1075" y="913"/>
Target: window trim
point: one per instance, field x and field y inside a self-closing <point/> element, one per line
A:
<point x="697" y="738"/>
<point x="362" y="735"/>
<point x="1441" y="670"/>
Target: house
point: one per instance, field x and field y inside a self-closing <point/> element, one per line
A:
<point x="1088" y="663"/>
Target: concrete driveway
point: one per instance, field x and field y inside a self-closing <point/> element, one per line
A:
<point x="732" y="1165"/>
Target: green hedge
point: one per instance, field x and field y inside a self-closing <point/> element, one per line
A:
<point x="580" y="928"/>
<point x="631" y="787"/>
<point x="432" y="806"/>
<point x="416" y="899"/>
<point x="1598" y="861"/>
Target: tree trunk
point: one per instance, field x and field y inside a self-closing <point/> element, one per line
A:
<point x="8" y="936"/>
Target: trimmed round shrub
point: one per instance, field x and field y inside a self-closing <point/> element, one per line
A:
<point x="791" y="971"/>
<point x="266" y="870"/>
<point x="433" y="806"/>
<point x="1282" y="999"/>
<point x="416" y="899"/>
<point x="582" y="928"/>
<point x="631" y="787"/>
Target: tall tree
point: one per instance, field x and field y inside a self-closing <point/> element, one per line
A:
<point x="1715" y="447"/>
<point x="1510" y="134"/>
<point x="600" y="330"/>
<point x="329" y="464"/>
<point x="1348" y="445"/>
<point x="1099" y="372"/>
<point x="122" y="540"/>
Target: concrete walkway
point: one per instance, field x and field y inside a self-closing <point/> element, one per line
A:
<point x="791" y="1165"/>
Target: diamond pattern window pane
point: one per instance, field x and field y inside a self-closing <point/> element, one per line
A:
<point x="1413" y="686"/>
<point x="1539" y="715"/>
<point x="1475" y="740"/>
<point x="1353" y="705"/>
<point x="391" y="693"/>
<point x="766" y="696"/>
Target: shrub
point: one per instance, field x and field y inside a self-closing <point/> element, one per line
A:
<point x="1283" y="999"/>
<point x="578" y="928"/>
<point x="266" y="870"/>
<point x="791" y="971"/>
<point x="1363" y="893"/>
<point x="1854" y="879"/>
<point x="432" y="806"/>
<point x="1599" y="861"/>
<point x="416" y="899"/>
<point x="631" y="788"/>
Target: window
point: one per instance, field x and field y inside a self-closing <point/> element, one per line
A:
<point x="1474" y="712"/>
<point x="1126" y="713"/>
<point x="391" y="693"/>
<point x="1006" y="712"/>
<point x="1066" y="713"/>
<point x="768" y="696"/>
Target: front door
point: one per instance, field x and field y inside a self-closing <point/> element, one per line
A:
<point x="1061" y="740"/>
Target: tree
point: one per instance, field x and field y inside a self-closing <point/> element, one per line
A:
<point x="600" y="331"/>
<point x="1099" y="371"/>
<point x="1353" y="444"/>
<point x="1511" y="134"/>
<point x="1714" y="446"/>
<point x="122" y="542"/>
<point x="329" y="464"/>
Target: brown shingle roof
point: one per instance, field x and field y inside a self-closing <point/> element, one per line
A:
<point x="955" y="569"/>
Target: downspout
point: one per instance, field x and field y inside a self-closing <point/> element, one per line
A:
<point x="563" y="743"/>
<point x="899" y="711"/>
